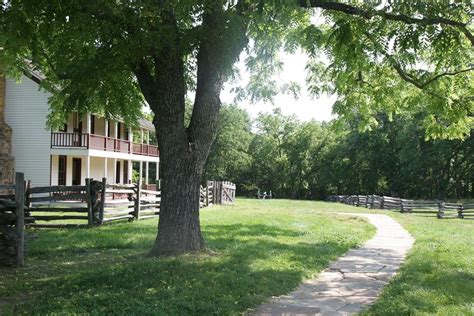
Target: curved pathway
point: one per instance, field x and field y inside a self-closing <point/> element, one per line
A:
<point x="354" y="281"/>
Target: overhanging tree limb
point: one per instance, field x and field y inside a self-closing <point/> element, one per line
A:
<point x="369" y="14"/>
<point x="406" y="76"/>
<point x="448" y="73"/>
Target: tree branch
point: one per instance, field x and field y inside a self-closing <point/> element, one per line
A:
<point x="407" y="77"/>
<point x="219" y="48"/>
<point x="369" y="14"/>
<point x="145" y="79"/>
<point x="453" y="73"/>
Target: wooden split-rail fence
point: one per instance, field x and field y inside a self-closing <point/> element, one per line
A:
<point x="94" y="203"/>
<point x="439" y="208"/>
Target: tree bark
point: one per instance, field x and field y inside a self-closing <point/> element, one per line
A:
<point x="179" y="228"/>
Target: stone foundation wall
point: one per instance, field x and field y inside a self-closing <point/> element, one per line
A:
<point x="7" y="166"/>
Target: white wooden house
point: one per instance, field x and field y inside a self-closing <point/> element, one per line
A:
<point x="87" y="147"/>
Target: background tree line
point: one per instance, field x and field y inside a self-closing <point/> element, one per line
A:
<point x="310" y="160"/>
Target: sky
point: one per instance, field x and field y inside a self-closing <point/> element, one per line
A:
<point x="305" y="107"/>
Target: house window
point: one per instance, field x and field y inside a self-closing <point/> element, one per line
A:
<point x="92" y="124"/>
<point x="62" y="170"/>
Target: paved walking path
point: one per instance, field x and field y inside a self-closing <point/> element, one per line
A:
<point x="354" y="281"/>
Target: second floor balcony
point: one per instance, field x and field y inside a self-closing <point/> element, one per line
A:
<point x="99" y="142"/>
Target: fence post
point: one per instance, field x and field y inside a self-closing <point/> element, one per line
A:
<point x="235" y="189"/>
<point x="216" y="192"/>
<point x="207" y="193"/>
<point x="460" y="210"/>
<point x="222" y="192"/>
<point x="20" y="217"/>
<point x="215" y="198"/>
<point x="382" y="202"/>
<point x="102" y="201"/>
<point x="27" y="196"/>
<point x="90" y="215"/>
<point x="440" y="209"/>
<point x="136" y="212"/>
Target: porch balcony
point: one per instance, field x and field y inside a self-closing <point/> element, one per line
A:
<point x="99" y="142"/>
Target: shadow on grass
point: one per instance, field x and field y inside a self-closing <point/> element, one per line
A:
<point x="419" y="291"/>
<point x="253" y="263"/>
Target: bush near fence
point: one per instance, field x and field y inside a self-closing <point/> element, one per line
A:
<point x="439" y="208"/>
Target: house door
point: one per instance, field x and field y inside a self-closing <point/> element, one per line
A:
<point x="117" y="172"/>
<point x="62" y="170"/>
<point x="119" y="130"/>
<point x="125" y="172"/>
<point x="76" y="171"/>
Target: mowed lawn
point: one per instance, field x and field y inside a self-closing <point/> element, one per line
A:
<point x="257" y="249"/>
<point x="438" y="276"/>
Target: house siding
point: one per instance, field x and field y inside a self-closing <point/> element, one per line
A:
<point x="26" y="111"/>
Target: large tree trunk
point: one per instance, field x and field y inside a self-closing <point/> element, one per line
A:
<point x="184" y="149"/>
<point x="179" y="228"/>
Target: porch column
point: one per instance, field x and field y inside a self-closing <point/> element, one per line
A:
<point x="141" y="141"/>
<point x="141" y="172"/>
<point x="157" y="170"/>
<point x="130" y="170"/>
<point x="105" y="168"/>
<point x="146" y="174"/>
<point x="88" y="123"/>
<point x="130" y="139"/>
<point x="106" y="127"/>
<point x="115" y="171"/>
<point x="88" y="166"/>
<point x="88" y="129"/>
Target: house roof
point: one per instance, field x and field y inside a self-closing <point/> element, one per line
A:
<point x="37" y="76"/>
<point x="146" y="124"/>
<point x="33" y="72"/>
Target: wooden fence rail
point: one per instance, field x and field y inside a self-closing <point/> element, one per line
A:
<point x="440" y="208"/>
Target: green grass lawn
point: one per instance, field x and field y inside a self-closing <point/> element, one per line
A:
<point x="438" y="275"/>
<point x="258" y="249"/>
